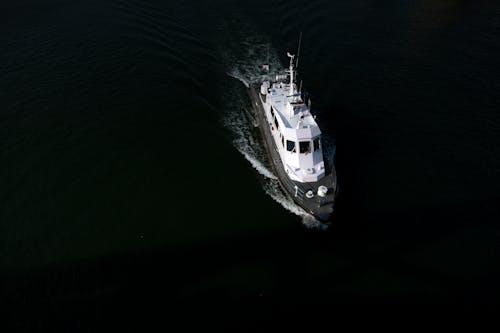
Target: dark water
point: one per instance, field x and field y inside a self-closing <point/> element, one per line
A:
<point x="128" y="169"/>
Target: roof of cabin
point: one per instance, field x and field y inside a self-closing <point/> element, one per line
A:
<point x="279" y="100"/>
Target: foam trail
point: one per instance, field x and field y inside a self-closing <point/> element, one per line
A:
<point x="257" y="165"/>
<point x="245" y="142"/>
<point x="238" y="76"/>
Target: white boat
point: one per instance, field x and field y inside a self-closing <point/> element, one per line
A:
<point x="293" y="141"/>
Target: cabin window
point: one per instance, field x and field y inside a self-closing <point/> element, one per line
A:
<point x="290" y="146"/>
<point x="272" y="111"/>
<point x="305" y="147"/>
<point x="316" y="144"/>
<point x="276" y="123"/>
<point x="283" y="140"/>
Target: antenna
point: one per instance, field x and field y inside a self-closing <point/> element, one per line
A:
<point x="291" y="56"/>
<point x="298" y="51"/>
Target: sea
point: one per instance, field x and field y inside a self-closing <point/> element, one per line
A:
<point x="131" y="169"/>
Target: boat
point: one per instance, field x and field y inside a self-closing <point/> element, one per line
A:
<point x="293" y="141"/>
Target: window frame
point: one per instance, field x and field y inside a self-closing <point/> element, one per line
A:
<point x="308" y="147"/>
<point x="318" y="140"/>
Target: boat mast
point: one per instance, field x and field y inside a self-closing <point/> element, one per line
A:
<point x="298" y="51"/>
<point x="291" y="56"/>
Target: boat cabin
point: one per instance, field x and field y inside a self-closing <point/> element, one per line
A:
<point x="294" y="129"/>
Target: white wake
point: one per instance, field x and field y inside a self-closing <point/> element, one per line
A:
<point x="235" y="74"/>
